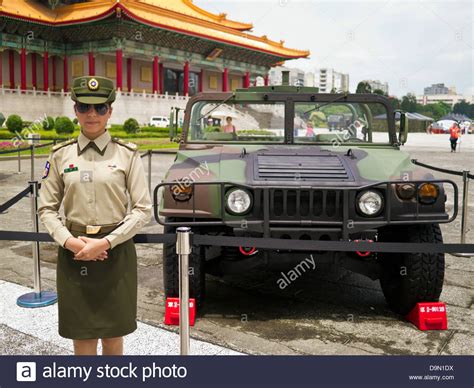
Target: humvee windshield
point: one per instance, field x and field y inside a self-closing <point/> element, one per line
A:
<point x="321" y="122"/>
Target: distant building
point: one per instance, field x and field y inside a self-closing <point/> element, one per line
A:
<point x="297" y="76"/>
<point x="310" y="79"/>
<point x="436" y="89"/>
<point x="450" y="99"/>
<point x="328" y="80"/>
<point x="159" y="52"/>
<point x="376" y="84"/>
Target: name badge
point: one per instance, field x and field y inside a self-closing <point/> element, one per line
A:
<point x="71" y="168"/>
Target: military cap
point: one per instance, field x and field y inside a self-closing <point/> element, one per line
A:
<point x="93" y="90"/>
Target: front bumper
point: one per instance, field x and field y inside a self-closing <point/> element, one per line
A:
<point x="280" y="208"/>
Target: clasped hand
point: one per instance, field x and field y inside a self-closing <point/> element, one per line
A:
<point x="88" y="249"/>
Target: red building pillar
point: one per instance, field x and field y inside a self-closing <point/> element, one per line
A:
<point x="156" y="69"/>
<point x="11" y="65"/>
<point x="119" y="65"/>
<point x="265" y="80"/>
<point x="91" y="63"/>
<point x="34" y="79"/>
<point x="225" y="80"/>
<point x="162" y="79"/>
<point x="200" y="80"/>
<point x="186" y="79"/>
<point x="55" y="78"/>
<point x="246" y="80"/>
<point x="129" y="74"/>
<point x="23" y="69"/>
<point x="65" y="74"/>
<point x="46" y="71"/>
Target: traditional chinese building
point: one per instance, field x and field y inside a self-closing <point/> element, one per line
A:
<point x="152" y="48"/>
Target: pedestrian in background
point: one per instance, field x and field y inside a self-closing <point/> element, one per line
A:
<point x="97" y="178"/>
<point x="454" y="133"/>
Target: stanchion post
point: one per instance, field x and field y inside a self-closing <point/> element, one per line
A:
<point x="19" y="160"/>
<point x="149" y="170"/>
<point x="183" y="250"/>
<point x="37" y="298"/>
<point x="35" y="244"/>
<point x="32" y="157"/>
<point x="465" y="206"/>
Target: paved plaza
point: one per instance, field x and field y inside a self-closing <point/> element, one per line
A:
<point x="324" y="312"/>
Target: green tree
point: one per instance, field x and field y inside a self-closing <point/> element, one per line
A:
<point x="379" y="91"/>
<point x="64" y="125"/>
<point x="464" y="108"/>
<point x="48" y="123"/>
<point x="131" y="126"/>
<point x="14" y="124"/>
<point x="408" y="103"/>
<point x="436" y="111"/>
<point x="363" y="87"/>
<point x="395" y="102"/>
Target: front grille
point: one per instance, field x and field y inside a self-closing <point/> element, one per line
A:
<point x="327" y="168"/>
<point x="304" y="204"/>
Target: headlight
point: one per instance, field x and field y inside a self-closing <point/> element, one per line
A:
<point x="238" y="201"/>
<point x="181" y="193"/>
<point x="406" y="190"/>
<point x="428" y="193"/>
<point x="370" y="203"/>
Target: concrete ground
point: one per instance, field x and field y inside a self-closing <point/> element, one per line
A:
<point x="324" y="312"/>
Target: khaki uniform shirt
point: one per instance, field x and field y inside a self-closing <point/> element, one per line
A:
<point x="97" y="183"/>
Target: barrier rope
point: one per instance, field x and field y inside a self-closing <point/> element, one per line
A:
<point x="15" y="199"/>
<point x="444" y="170"/>
<point x="15" y="151"/>
<point x="25" y="148"/>
<point x="272" y="243"/>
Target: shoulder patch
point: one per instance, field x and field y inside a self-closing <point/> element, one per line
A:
<point x="63" y="144"/>
<point x="130" y="146"/>
<point x="47" y="167"/>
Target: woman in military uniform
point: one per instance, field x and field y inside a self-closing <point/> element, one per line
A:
<point x="101" y="183"/>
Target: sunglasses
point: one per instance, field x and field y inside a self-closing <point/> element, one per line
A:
<point x="101" y="109"/>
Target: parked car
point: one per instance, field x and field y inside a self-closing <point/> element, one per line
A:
<point x="159" y="121"/>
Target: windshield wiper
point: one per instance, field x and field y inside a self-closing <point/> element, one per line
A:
<point x="327" y="103"/>
<point x="213" y="109"/>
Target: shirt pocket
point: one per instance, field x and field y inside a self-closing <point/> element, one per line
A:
<point x="70" y="174"/>
<point x="110" y="178"/>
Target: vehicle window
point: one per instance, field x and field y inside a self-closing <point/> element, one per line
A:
<point x="340" y="122"/>
<point x="214" y="122"/>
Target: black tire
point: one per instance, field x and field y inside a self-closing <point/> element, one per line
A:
<point x="410" y="278"/>
<point x="197" y="280"/>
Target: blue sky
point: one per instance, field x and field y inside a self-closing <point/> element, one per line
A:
<point x="409" y="44"/>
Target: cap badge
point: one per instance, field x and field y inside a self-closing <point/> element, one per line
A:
<point x="93" y="84"/>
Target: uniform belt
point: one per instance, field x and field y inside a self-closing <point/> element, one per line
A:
<point x="91" y="229"/>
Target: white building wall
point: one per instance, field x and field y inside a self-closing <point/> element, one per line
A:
<point x="137" y="105"/>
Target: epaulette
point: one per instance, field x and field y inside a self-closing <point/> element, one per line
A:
<point x="130" y="146"/>
<point x="63" y="144"/>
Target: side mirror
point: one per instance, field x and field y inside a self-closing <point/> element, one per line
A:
<point x="403" y="135"/>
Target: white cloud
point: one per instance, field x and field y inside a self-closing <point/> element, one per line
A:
<point x="409" y="44"/>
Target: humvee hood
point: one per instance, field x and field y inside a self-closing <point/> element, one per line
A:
<point x="288" y="165"/>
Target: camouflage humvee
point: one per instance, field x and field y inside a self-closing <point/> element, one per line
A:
<point x="287" y="162"/>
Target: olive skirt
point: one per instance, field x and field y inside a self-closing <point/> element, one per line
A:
<point x="97" y="299"/>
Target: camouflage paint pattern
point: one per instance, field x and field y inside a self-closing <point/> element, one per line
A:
<point x="236" y="163"/>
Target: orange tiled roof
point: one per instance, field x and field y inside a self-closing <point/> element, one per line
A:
<point x="178" y="15"/>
